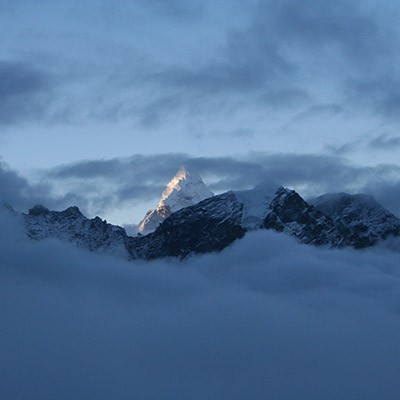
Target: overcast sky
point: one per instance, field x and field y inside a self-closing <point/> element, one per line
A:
<point x="101" y="101"/>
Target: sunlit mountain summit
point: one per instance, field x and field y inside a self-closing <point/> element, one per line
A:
<point x="185" y="189"/>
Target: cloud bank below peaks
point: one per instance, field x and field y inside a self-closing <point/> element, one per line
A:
<point x="266" y="318"/>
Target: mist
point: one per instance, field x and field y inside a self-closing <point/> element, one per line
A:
<point x="267" y="318"/>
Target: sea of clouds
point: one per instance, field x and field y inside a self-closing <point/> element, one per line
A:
<point x="265" y="319"/>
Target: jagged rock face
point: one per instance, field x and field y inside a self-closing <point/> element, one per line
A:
<point x="185" y="189"/>
<point x="215" y="223"/>
<point x="367" y="221"/>
<point x="72" y="226"/>
<point x="289" y="213"/>
<point x="211" y="225"/>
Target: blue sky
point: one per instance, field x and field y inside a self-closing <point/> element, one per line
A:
<point x="100" y="101"/>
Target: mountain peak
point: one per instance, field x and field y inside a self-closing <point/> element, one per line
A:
<point x="38" y="209"/>
<point x="185" y="189"/>
<point x="183" y="173"/>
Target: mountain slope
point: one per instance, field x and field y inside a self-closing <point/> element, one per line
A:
<point x="215" y="223"/>
<point x="367" y="221"/>
<point x="185" y="189"/>
<point x="72" y="226"/>
<point x="290" y="213"/>
<point x="208" y="226"/>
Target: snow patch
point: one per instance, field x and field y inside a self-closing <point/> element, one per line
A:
<point x="255" y="206"/>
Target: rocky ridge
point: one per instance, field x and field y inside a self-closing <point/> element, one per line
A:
<point x="72" y="226"/>
<point x="333" y="221"/>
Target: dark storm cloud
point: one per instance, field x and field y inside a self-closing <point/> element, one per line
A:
<point x="235" y="73"/>
<point x="364" y="37"/>
<point x="280" y="58"/>
<point x="249" y="64"/>
<point x="385" y="142"/>
<point x="87" y="169"/>
<point x="344" y="149"/>
<point x="138" y="168"/>
<point x="379" y="91"/>
<point x="316" y="24"/>
<point x="255" y="59"/>
<point x="266" y="318"/>
<point x="16" y="190"/>
<point x="107" y="184"/>
<point x="335" y="41"/>
<point x="312" y="173"/>
<point x="152" y="172"/>
<point x="24" y="91"/>
<point x="348" y="43"/>
<point x="92" y="185"/>
<point x="370" y="141"/>
<point x="21" y="194"/>
<point x="285" y="57"/>
<point x="139" y="192"/>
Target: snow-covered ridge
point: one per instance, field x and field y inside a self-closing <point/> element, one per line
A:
<point x="72" y="226"/>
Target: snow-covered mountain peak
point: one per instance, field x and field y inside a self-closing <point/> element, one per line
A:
<point x="183" y="174"/>
<point x="185" y="189"/>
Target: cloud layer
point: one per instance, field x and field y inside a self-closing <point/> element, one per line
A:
<point x="280" y="55"/>
<point x="266" y="318"/>
<point x="130" y="183"/>
<point x="139" y="178"/>
<point x="24" y="92"/>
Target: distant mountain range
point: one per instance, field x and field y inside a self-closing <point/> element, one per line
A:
<point x="189" y="219"/>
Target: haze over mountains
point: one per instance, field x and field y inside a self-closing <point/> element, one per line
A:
<point x="189" y="219"/>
